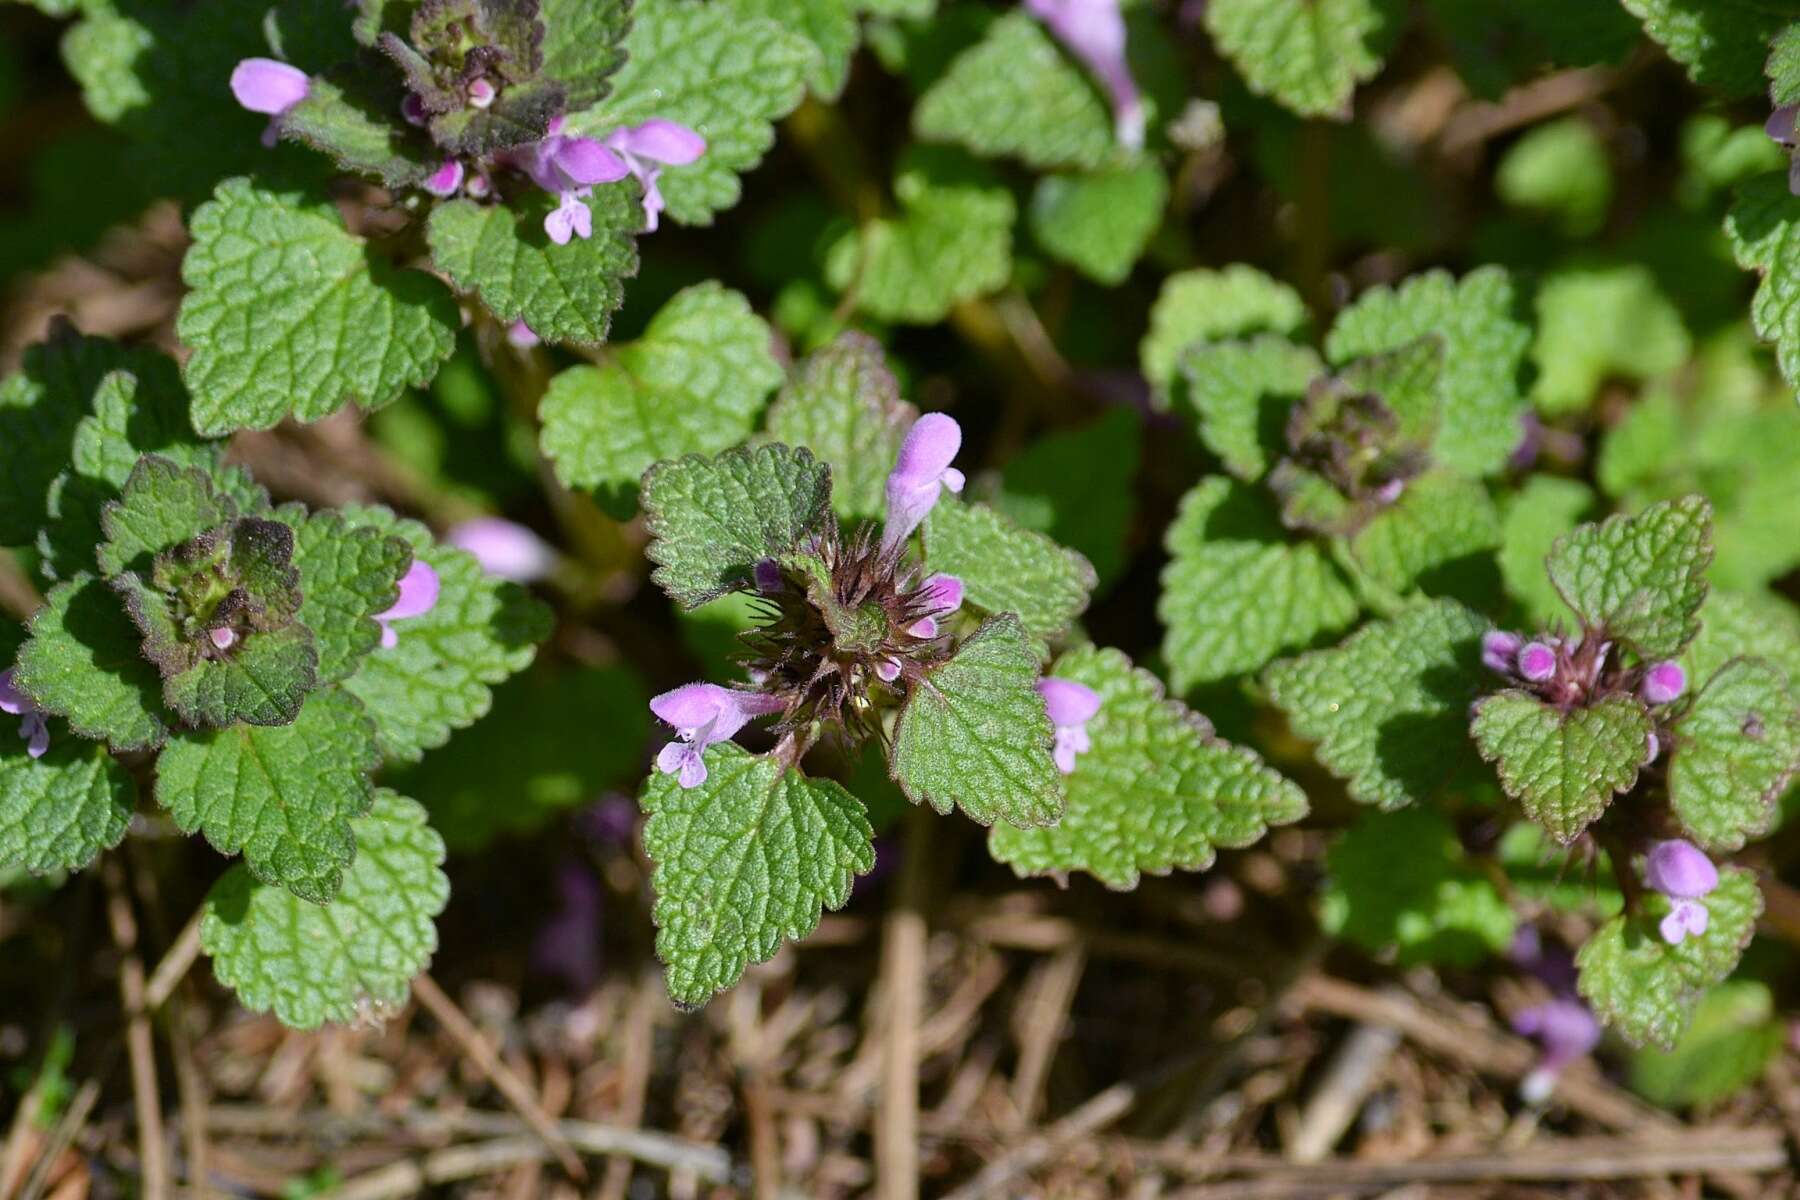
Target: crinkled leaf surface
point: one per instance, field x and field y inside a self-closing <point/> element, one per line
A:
<point x="1007" y="568"/>
<point x="353" y="118"/>
<point x="1484" y="346"/>
<point x="1208" y="305"/>
<point x="289" y="314"/>
<point x="1546" y="508"/>
<point x="746" y="859"/>
<point x="85" y="662"/>
<point x="1016" y="93"/>
<point x="347" y="960"/>
<point x="1242" y="393"/>
<point x="1100" y="222"/>
<point x="830" y="25"/>
<point x="1722" y="43"/>
<point x="1238" y="591"/>
<point x="1735" y="751"/>
<point x="974" y="733"/>
<point x="1757" y="624"/>
<point x="1157" y="791"/>
<point x="719" y="71"/>
<point x="844" y="405"/>
<point x="1646" y="988"/>
<point x="584" y="46"/>
<point x="348" y="573"/>
<point x="161" y="506"/>
<point x="1762" y="226"/>
<point x="282" y="795"/>
<point x="1436" y="536"/>
<point x="564" y="293"/>
<point x="1401" y="881"/>
<point x="1307" y="54"/>
<point x="1075" y="486"/>
<point x="436" y="677"/>
<point x="1562" y="767"/>
<point x="60" y="811"/>
<point x="1389" y="707"/>
<point x="711" y="519"/>
<point x="695" y="383"/>
<point x="1597" y="323"/>
<point x="1642" y="577"/>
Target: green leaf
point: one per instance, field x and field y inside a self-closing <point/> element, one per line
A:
<point x="291" y="315"/>
<point x="695" y="383"/>
<point x="60" y="811"/>
<point x="564" y="293"/>
<point x="1238" y="591"/>
<point x="354" y="117"/>
<point x="844" y="405"/>
<point x="1642" y="578"/>
<point x="348" y="573"/>
<point x="1015" y="93"/>
<point x="1206" y="305"/>
<point x="1389" y="707"/>
<point x="1648" y="989"/>
<point x="744" y="860"/>
<point x="436" y="677"/>
<point x="1101" y="222"/>
<point x="1307" y="54"/>
<point x="42" y="407"/>
<point x="1734" y="1036"/>
<point x="1155" y="792"/>
<point x="1598" y="323"/>
<point x="161" y="506"/>
<point x="722" y="73"/>
<point x="1076" y="487"/>
<point x="1484" y="347"/>
<point x="1401" y="881"/>
<point x="952" y="241"/>
<point x="1761" y="226"/>
<point x="1562" y="767"/>
<point x="1722" y="43"/>
<point x="1755" y="624"/>
<point x="1783" y="67"/>
<point x="1559" y="169"/>
<point x="584" y="46"/>
<point x="1436" y="536"/>
<point x="534" y="755"/>
<point x="1009" y="569"/>
<point x="1242" y="393"/>
<point x="283" y="795"/>
<point x="711" y="519"/>
<point x="831" y="27"/>
<point x="1735" y="751"/>
<point x="974" y="733"/>
<point x="1545" y="509"/>
<point x="352" y="959"/>
<point x="85" y="662"/>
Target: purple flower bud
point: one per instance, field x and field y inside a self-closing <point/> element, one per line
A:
<point x="887" y="670"/>
<point x="1500" y="650"/>
<point x="34" y="728"/>
<point x="1683" y="873"/>
<point x="1390" y="491"/>
<point x="264" y="85"/>
<point x="1663" y="682"/>
<point x="1071" y="706"/>
<point x="223" y="638"/>
<point x="418" y="594"/>
<point x="412" y="110"/>
<point x="1537" y="662"/>
<point x="520" y="336"/>
<point x="656" y="141"/>
<point x="1566" y="1030"/>
<point x="481" y="93"/>
<point x="767" y="575"/>
<point x="1094" y="32"/>
<point x="1780" y="125"/>
<point x="480" y="187"/>
<point x="1652" y="747"/>
<point x="504" y="549"/>
<point x="447" y="180"/>
<point x="945" y="595"/>
<point x="704" y="713"/>
<point x="920" y="474"/>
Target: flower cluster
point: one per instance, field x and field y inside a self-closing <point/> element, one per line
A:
<point x="1572" y="671"/>
<point x="1683" y="873"/>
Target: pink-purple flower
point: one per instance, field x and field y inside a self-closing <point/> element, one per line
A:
<point x="1566" y="1030"/>
<point x="418" y="595"/>
<point x="33" y="726"/>
<point x="945" y="595"/>
<point x="1536" y="661"/>
<point x="1663" y="682"/>
<point x="266" y="86"/>
<point x="1071" y="706"/>
<point x="568" y="168"/>
<point x="1500" y="650"/>
<point x="920" y="475"/>
<point x="704" y="713"/>
<point x="648" y="147"/>
<point x="447" y="180"/>
<point x="1094" y="32"/>
<point x="1682" y="872"/>
<point x="504" y="549"/>
<point x="521" y="336"/>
